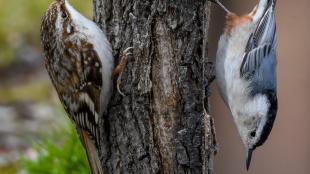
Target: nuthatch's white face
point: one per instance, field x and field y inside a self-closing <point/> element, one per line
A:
<point x="251" y="136"/>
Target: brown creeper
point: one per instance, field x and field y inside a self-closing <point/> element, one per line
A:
<point x="78" y="58"/>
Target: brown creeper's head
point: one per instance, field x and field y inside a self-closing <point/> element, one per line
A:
<point x="57" y="23"/>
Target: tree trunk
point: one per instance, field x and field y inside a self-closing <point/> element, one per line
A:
<point x="161" y="125"/>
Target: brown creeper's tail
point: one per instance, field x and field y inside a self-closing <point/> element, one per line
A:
<point x="118" y="71"/>
<point x="92" y="153"/>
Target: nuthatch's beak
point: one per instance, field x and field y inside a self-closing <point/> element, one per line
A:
<point x="248" y="157"/>
<point x="214" y="1"/>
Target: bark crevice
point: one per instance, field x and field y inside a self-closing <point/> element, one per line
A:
<point x="161" y="125"/>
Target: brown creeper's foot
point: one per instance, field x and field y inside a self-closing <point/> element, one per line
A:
<point x="118" y="71"/>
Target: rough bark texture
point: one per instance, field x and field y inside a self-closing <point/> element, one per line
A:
<point x="161" y="125"/>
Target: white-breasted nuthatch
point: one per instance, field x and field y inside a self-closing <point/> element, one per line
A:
<point x="246" y="72"/>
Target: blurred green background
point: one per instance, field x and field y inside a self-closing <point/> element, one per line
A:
<point x="35" y="133"/>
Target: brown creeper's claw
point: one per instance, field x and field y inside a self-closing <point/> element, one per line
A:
<point x="126" y="51"/>
<point x="118" y="71"/>
<point x="118" y="86"/>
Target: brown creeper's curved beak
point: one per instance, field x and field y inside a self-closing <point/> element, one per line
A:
<point x="248" y="152"/>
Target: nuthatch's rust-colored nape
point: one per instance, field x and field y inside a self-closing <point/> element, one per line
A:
<point x="233" y="20"/>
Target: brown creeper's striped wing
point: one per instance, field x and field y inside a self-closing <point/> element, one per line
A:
<point x="87" y="95"/>
<point x="76" y="75"/>
<point x="87" y="99"/>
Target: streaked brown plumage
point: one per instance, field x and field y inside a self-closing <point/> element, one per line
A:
<point x="78" y="58"/>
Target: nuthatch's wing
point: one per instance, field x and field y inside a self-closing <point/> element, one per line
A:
<point x="259" y="68"/>
<point x="260" y="49"/>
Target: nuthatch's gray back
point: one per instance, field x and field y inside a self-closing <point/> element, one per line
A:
<point x="246" y="72"/>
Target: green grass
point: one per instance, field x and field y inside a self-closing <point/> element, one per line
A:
<point x="60" y="153"/>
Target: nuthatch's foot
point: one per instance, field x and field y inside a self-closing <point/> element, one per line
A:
<point x="118" y="71"/>
<point x="209" y="77"/>
<point x="210" y="72"/>
<point x="217" y="2"/>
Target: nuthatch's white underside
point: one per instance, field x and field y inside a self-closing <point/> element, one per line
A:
<point x="246" y="72"/>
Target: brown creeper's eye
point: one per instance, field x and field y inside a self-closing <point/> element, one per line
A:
<point x="64" y="15"/>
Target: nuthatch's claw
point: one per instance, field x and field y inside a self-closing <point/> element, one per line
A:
<point x="220" y="4"/>
<point x="210" y="73"/>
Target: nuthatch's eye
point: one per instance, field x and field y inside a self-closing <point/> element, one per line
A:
<point x="64" y="15"/>
<point x="253" y="134"/>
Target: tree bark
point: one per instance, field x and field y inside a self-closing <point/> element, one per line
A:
<point x="161" y="125"/>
